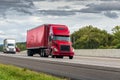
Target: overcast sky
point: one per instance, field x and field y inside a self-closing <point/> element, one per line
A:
<point x="17" y="16"/>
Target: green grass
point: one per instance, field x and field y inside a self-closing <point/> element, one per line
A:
<point x="8" y="72"/>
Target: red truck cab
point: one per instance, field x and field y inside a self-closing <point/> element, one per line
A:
<point x="59" y="41"/>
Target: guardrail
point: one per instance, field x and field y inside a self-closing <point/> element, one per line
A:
<point x="98" y="52"/>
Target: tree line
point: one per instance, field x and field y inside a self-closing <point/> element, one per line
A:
<point x="21" y="45"/>
<point x="90" y="37"/>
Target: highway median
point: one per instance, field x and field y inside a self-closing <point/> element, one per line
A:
<point x="9" y="72"/>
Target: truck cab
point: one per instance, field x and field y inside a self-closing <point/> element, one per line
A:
<point x="9" y="46"/>
<point x="59" y="41"/>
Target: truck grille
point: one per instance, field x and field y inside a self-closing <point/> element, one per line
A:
<point x="11" y="49"/>
<point x="65" y="48"/>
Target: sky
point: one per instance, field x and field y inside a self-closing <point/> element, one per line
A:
<point x="18" y="16"/>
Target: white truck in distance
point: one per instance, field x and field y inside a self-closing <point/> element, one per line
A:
<point x="9" y="46"/>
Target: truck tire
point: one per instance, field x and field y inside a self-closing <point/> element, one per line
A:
<point x="70" y="57"/>
<point x="29" y="53"/>
<point x="53" y="56"/>
<point x="45" y="54"/>
<point x="14" y="52"/>
<point x="59" y="56"/>
<point x="41" y="53"/>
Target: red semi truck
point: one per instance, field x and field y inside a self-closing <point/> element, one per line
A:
<point x="50" y="39"/>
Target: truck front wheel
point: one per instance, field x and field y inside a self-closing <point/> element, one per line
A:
<point x="14" y="52"/>
<point x="53" y="56"/>
<point x="70" y="57"/>
<point x="59" y="56"/>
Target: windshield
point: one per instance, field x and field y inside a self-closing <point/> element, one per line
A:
<point x="63" y="38"/>
<point x="10" y="44"/>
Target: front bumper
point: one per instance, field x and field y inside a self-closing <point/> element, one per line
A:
<point x="63" y="53"/>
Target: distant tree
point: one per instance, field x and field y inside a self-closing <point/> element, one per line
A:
<point x="90" y="37"/>
<point x="21" y="45"/>
<point x="1" y="48"/>
<point x="116" y="34"/>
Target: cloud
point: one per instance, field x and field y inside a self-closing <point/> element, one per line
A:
<point x="15" y="3"/>
<point x="2" y="33"/>
<point x="109" y="0"/>
<point x="60" y="0"/>
<point x="111" y="14"/>
<point x="106" y="7"/>
<point x="23" y="10"/>
<point x="27" y="7"/>
<point x="64" y="7"/>
<point x="89" y="10"/>
<point x="56" y="12"/>
<point x="22" y="6"/>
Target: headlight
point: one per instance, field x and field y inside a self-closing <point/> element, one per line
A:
<point x="55" y="49"/>
<point x="14" y="49"/>
<point x="7" y="49"/>
<point x="73" y="49"/>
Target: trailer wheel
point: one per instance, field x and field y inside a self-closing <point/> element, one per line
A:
<point x="61" y="56"/>
<point x="53" y="56"/>
<point x="45" y="54"/>
<point x="29" y="53"/>
<point x="70" y="57"/>
<point x="41" y="53"/>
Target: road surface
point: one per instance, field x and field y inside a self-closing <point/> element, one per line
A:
<point x="80" y="68"/>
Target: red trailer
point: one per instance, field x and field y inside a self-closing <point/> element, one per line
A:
<point x="50" y="39"/>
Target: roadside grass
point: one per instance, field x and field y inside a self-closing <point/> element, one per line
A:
<point x="9" y="72"/>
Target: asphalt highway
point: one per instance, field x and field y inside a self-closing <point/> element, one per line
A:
<point x="79" y="68"/>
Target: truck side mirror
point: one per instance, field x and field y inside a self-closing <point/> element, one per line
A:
<point x="50" y="38"/>
<point x="73" y="39"/>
